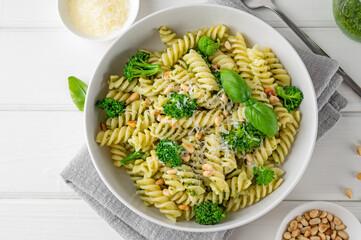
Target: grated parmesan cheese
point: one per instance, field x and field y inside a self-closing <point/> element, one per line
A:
<point x="98" y="18"/>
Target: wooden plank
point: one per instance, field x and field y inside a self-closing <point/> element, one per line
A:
<point x="44" y="142"/>
<point x="54" y="54"/>
<point x="43" y="13"/>
<point x="74" y="219"/>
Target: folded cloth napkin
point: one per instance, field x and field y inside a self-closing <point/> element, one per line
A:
<point x="82" y="177"/>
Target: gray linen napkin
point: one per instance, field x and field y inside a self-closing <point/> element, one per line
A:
<point x="82" y="177"/>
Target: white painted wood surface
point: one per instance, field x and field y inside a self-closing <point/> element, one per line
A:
<point x="41" y="130"/>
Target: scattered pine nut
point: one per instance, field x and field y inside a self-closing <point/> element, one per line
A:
<point x="183" y="207"/>
<point x="207" y="167"/>
<point x="228" y="45"/>
<point x="225" y="113"/>
<point x="159" y="182"/>
<point x="359" y="176"/>
<point x="215" y="66"/>
<point x="103" y="127"/>
<point x="171" y="171"/>
<point x="147" y="101"/>
<point x="174" y="124"/>
<point x="224" y="98"/>
<point x="155" y="112"/>
<point x="218" y="121"/>
<point x="184" y="87"/>
<point x="270" y="92"/>
<point x="207" y="173"/>
<point x="168" y="90"/>
<point x="189" y="148"/>
<point x="166" y="192"/>
<point x="199" y="135"/>
<point x="249" y="157"/>
<point x="166" y="75"/>
<point x="348" y="193"/>
<point x="274" y="99"/>
<point x="186" y="158"/>
<point x="133" y="97"/>
<point x="358" y="148"/>
<point x="160" y="117"/>
<point x="131" y="124"/>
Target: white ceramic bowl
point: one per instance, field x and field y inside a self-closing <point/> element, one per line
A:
<point x="353" y="225"/>
<point x="144" y="34"/>
<point x="63" y="11"/>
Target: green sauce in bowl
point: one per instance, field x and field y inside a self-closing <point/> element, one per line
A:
<point x="347" y="14"/>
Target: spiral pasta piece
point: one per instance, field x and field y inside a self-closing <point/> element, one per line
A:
<point x="279" y="73"/>
<point x="240" y="56"/>
<point x="166" y="35"/>
<point x="223" y="61"/>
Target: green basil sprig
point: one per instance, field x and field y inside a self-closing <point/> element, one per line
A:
<point x="77" y="91"/>
<point x="259" y="115"/>
<point x="235" y="87"/>
<point x="262" y="117"/>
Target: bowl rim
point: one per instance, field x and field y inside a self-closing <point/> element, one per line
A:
<point x="309" y="206"/>
<point x="216" y="227"/>
<point x="134" y="4"/>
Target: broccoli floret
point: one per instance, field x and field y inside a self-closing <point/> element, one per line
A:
<point x="207" y="46"/>
<point x="180" y="105"/>
<point x="243" y="137"/>
<point x="169" y="151"/>
<point x="134" y="155"/>
<point x="208" y="213"/>
<point x="291" y="96"/>
<point x="264" y="175"/>
<point x="138" y="66"/>
<point x="112" y="107"/>
<point x="216" y="74"/>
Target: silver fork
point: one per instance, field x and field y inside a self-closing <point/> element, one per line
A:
<point x="255" y="4"/>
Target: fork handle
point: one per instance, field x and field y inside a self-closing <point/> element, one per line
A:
<point x="315" y="48"/>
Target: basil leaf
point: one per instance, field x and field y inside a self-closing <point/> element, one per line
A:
<point x="262" y="117"/>
<point x="235" y="86"/>
<point x="77" y="91"/>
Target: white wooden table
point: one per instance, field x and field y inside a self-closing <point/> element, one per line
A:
<point x="41" y="129"/>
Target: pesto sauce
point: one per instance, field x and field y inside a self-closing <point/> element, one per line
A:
<point x="348" y="17"/>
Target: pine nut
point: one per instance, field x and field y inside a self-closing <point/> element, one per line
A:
<point x="358" y="148"/>
<point x="147" y="101"/>
<point x="199" y="135"/>
<point x="168" y="90"/>
<point x="304" y="238"/>
<point x="332" y="225"/>
<point x="207" y="173"/>
<point x="307" y="216"/>
<point x="289" y="229"/>
<point x="184" y="87"/>
<point x="340" y="227"/>
<point x="189" y="148"/>
<point x="160" y="117"/>
<point x="249" y="157"/>
<point x="103" y="127"/>
<point x="172" y="171"/>
<point x="174" y="124"/>
<point x="329" y="217"/>
<point x="328" y="232"/>
<point x="348" y="193"/>
<point x="304" y="229"/>
<point x="225" y="113"/>
<point x="322" y="228"/>
<point x="155" y="112"/>
<point x="224" y="98"/>
<point x="343" y="234"/>
<point x="298" y="218"/>
<point x="323" y="214"/>
<point x="183" y="207"/>
<point x="218" y="121"/>
<point x="296" y="233"/>
<point x="228" y="45"/>
<point x="334" y="234"/>
<point x="315" y="238"/>
<point x="274" y="99"/>
<point x="270" y="92"/>
<point x="293" y="225"/>
<point x="307" y="233"/>
<point x="337" y="221"/>
<point x="315" y="221"/>
<point x="287" y="235"/>
<point x="166" y="75"/>
<point x="133" y="97"/>
<point x="304" y="222"/>
<point x="166" y="192"/>
<point x="131" y="124"/>
<point x="314" y="231"/>
<point x="186" y="158"/>
<point x="338" y="238"/>
<point x="299" y="225"/>
<point x="159" y="182"/>
<point x="207" y="167"/>
<point x="324" y="220"/>
<point x="359" y="176"/>
<point x="314" y="213"/>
